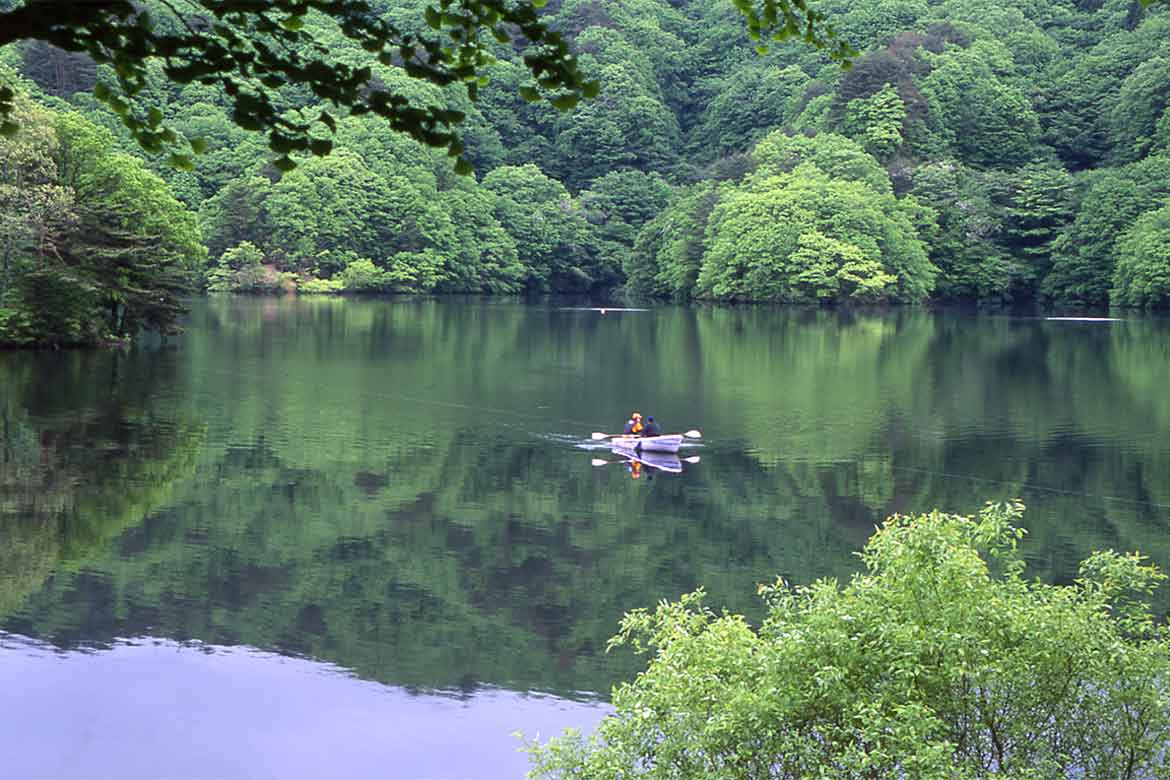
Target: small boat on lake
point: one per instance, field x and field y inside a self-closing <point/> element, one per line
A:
<point x="668" y="443"/>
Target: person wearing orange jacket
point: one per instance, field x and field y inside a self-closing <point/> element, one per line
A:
<point x="634" y="426"/>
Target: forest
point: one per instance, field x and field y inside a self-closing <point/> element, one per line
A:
<point x="992" y="152"/>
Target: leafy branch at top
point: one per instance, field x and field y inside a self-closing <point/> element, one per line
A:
<point x="252" y="47"/>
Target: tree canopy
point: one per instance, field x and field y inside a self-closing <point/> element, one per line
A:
<point x="253" y="48"/>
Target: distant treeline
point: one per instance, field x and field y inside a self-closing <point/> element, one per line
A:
<point x="978" y="151"/>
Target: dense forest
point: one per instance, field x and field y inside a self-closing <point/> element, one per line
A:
<point x="974" y="151"/>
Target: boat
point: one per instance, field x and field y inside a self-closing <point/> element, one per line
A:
<point x="668" y="443"/>
<point x="663" y="461"/>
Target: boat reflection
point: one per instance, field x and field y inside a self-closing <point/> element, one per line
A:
<point x="639" y="463"/>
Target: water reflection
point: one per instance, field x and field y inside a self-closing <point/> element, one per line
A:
<point x="649" y="462"/>
<point x="156" y="708"/>
<point x="395" y="487"/>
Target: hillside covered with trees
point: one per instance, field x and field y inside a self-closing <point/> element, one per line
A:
<point x="975" y="151"/>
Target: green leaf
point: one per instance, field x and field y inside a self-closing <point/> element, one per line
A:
<point x="9" y="128"/>
<point x="530" y="94"/>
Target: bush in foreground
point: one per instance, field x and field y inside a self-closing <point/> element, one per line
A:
<point x="939" y="660"/>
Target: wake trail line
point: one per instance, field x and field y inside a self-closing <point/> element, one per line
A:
<point x="1032" y="486"/>
<point x="432" y="402"/>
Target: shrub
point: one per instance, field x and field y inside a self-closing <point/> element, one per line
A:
<point x="320" y="286"/>
<point x="939" y="660"/>
<point x="363" y="276"/>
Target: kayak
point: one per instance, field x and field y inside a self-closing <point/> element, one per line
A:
<point x="663" y="461"/>
<point x="669" y="443"/>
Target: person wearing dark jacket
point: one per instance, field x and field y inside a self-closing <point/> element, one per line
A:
<point x="651" y="428"/>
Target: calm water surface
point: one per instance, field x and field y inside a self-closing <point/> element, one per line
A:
<point x="364" y="538"/>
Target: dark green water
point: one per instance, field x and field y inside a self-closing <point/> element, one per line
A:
<point x="383" y="505"/>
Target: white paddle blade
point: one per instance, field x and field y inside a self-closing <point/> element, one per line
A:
<point x="599" y="436"/>
<point x="693" y="434"/>
<point x="599" y="462"/>
<point x="692" y="459"/>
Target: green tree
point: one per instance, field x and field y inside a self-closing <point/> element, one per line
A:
<point x="1143" y="100"/>
<point x="32" y="203"/>
<point x="1039" y="208"/>
<point x="668" y="252"/>
<point x="620" y="202"/>
<point x="486" y="259"/>
<point x="990" y="122"/>
<point x="876" y="122"/>
<point x="624" y="128"/>
<point x="1083" y="256"/>
<point x="551" y="233"/>
<point x="762" y="240"/>
<point x="965" y="236"/>
<point x="93" y="244"/>
<point x="834" y="155"/>
<point x="1142" y="274"/>
<point x="939" y="660"/>
<point x="745" y="105"/>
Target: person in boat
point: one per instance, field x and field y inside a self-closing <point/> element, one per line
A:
<point x="651" y="428"/>
<point x="634" y="426"/>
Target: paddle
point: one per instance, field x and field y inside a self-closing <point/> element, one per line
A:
<point x="599" y="462"/>
<point x="597" y="436"/>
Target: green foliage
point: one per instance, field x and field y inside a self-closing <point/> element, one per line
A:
<point x="624" y="128"/>
<point x="1084" y="255"/>
<point x="1142" y="102"/>
<point x="876" y="122"/>
<point x="939" y="660"/>
<point x="241" y="269"/>
<point x="668" y="252"/>
<point x="1039" y="207"/>
<point x="362" y="276"/>
<point x="320" y="286"/>
<point x="1142" y="274"/>
<point x="988" y="122"/>
<point x="747" y="104"/>
<point x="806" y="237"/>
<point x="550" y="232"/>
<point x="964" y="234"/>
<point x="966" y="106"/>
<point x="251" y="50"/>
<point x="93" y="245"/>
<point x="831" y="154"/>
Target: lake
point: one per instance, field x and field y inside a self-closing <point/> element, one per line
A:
<point x="349" y="538"/>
